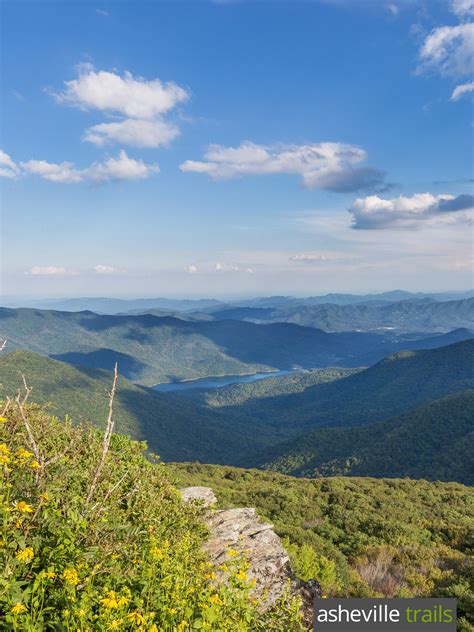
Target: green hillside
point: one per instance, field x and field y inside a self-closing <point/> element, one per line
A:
<point x="361" y="536"/>
<point x="96" y="538"/>
<point x="395" y="385"/>
<point x="174" y="428"/>
<point x="434" y="442"/>
<point x="151" y="349"/>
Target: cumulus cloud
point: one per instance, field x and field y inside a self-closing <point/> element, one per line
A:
<point x="374" y="212"/>
<point x="192" y="269"/>
<point x="136" y="132"/>
<point x="102" y="269"/>
<point x="329" y="166"/>
<point x="8" y="169"/>
<point x="394" y="9"/>
<point x="449" y="50"/>
<point x="140" y="105"/>
<point x="46" y="271"/>
<point x="113" y="169"/>
<point x="463" y="8"/>
<point x="64" y="172"/>
<point x="461" y="90"/>
<point x="228" y="267"/>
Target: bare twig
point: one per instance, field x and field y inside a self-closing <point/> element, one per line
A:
<point x="3" y="344"/>
<point x="107" y="436"/>
<point x="21" y="403"/>
<point x="6" y="406"/>
<point x="111" y="491"/>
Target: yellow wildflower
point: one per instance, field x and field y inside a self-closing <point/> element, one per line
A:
<point x="4" y="459"/>
<point x="4" y="448"/>
<point x="232" y="553"/>
<point x="3" y="420"/>
<point x="241" y="575"/>
<point x="210" y="576"/>
<point x="34" y="465"/>
<point x="136" y="617"/>
<point x="23" y="454"/>
<point x="81" y="613"/>
<point x="122" y="601"/>
<point x="110" y="600"/>
<point x="216" y="600"/>
<point x="70" y="576"/>
<point x="25" y="555"/>
<point x="50" y="575"/>
<point x="115" y="624"/>
<point x="156" y="552"/>
<point x="18" y="608"/>
<point x="22" y="506"/>
<point x="44" y="496"/>
<point x="153" y="628"/>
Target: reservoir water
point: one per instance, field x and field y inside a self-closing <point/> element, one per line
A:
<point x="219" y="382"/>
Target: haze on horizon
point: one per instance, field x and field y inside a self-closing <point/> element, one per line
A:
<point x="136" y="160"/>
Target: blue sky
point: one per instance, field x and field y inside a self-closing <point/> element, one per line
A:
<point x="236" y="148"/>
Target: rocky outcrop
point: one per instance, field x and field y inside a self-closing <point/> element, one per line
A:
<point x="243" y="531"/>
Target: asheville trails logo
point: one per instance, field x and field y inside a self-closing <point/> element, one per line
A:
<point x="379" y="615"/>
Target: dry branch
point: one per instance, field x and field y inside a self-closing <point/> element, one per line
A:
<point x="107" y="437"/>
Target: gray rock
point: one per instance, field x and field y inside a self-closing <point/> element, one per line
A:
<point x="243" y="531"/>
<point x="203" y="495"/>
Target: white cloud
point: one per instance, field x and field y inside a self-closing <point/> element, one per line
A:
<point x="374" y="212"/>
<point x="121" y="168"/>
<point x="309" y="258"/>
<point x="8" y="169"/>
<point x="394" y="9"/>
<point x="46" y="271"/>
<point x="64" y="172"/>
<point x="113" y="169"/>
<point x="102" y="12"/>
<point x="139" y="104"/>
<point x="463" y="8"/>
<point x="460" y="91"/>
<point x="228" y="267"/>
<point x="330" y="166"/>
<point x="102" y="269"/>
<point x="192" y="269"/>
<point x="449" y="50"/>
<point x="136" y="132"/>
<point x="130" y="96"/>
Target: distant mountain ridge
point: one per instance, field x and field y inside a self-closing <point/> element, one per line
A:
<point x="152" y="349"/>
<point x="423" y="315"/>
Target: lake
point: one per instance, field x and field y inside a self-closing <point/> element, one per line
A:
<point x="219" y="382"/>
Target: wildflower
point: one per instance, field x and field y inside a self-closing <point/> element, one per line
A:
<point x="153" y="628"/>
<point x="25" y="555"/>
<point x="210" y="576"/>
<point x="70" y="576"/>
<point x="81" y="613"/>
<point x="232" y="553"/>
<point x="115" y="624"/>
<point x="18" y="608"/>
<point x="215" y="599"/>
<point x="23" y="454"/>
<point x="3" y="420"/>
<point x="44" y="497"/>
<point x="110" y="600"/>
<point x="4" y="459"/>
<point x="4" y="448"/>
<point x="241" y="576"/>
<point x="136" y="617"/>
<point x="156" y="552"/>
<point x="22" y="506"/>
<point x="122" y="601"/>
<point x="34" y="465"/>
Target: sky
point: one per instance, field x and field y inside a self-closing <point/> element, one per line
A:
<point x="228" y="148"/>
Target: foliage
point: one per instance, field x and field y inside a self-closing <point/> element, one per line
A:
<point x="434" y="441"/>
<point x="389" y="537"/>
<point x="130" y="559"/>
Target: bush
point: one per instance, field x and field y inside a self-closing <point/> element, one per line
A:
<point x="130" y="558"/>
